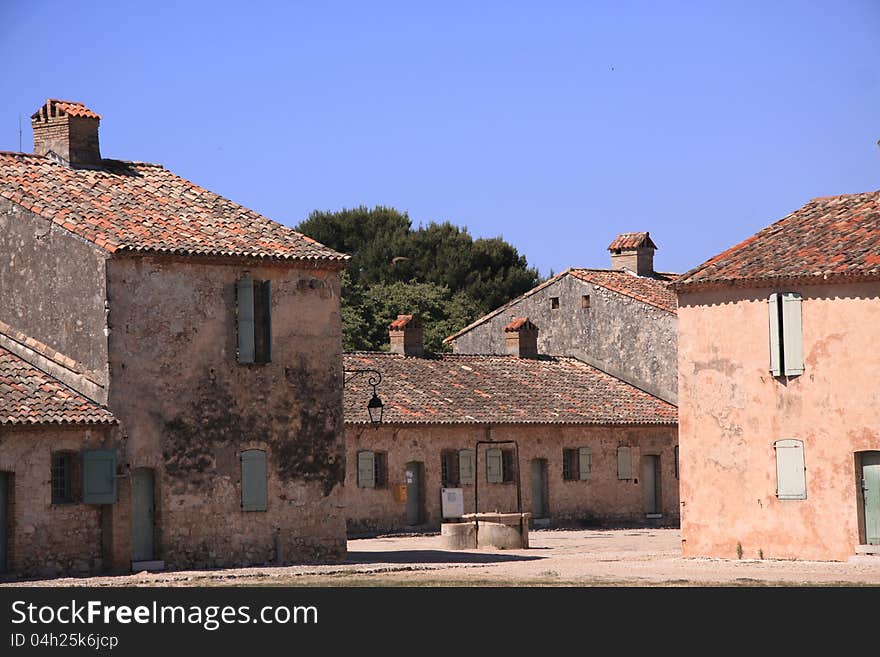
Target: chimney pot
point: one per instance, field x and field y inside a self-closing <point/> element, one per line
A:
<point x="69" y="130"/>
<point x="633" y="251"/>
<point x="406" y="336"/>
<point x="521" y="338"/>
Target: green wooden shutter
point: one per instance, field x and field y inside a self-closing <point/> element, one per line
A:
<point x="773" y="317"/>
<point x="366" y="472"/>
<point x="791" y="478"/>
<point x="494" y="466"/>
<point x="792" y="334"/>
<point x="99" y="476"/>
<point x="254" y="496"/>
<point x="245" y="320"/>
<point x="624" y="463"/>
<point x="585" y="463"/>
<point x="466" y="466"/>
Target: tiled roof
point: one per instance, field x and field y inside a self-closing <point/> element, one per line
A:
<point x="402" y="321"/>
<point x="139" y="207"/>
<point x="66" y="106"/>
<point x="831" y="238"/>
<point x="30" y="396"/>
<point x="653" y="291"/>
<point x="453" y="388"/>
<point x="632" y="241"/>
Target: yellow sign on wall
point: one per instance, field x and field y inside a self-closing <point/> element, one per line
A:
<point x="400" y="493"/>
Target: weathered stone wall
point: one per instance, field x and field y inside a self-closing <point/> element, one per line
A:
<point x="189" y="408"/>
<point x="732" y="410"/>
<point x="624" y="337"/>
<point x="47" y="539"/>
<point x="52" y="287"/>
<point x="601" y="499"/>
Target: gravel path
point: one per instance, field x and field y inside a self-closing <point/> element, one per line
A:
<point x="634" y="557"/>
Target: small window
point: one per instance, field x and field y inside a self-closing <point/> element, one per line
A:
<point x="624" y="462"/>
<point x="449" y="468"/>
<point x="62" y="478"/>
<point x="577" y="464"/>
<point x="791" y="478"/>
<point x="499" y="465"/>
<point x="585" y="301"/>
<point x="254" y="323"/>
<point x="786" y="334"/>
<point x="372" y="469"/>
<point x="554" y="303"/>
<point x="254" y="494"/>
<point x="465" y="466"/>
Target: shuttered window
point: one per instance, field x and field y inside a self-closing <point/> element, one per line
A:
<point x="624" y="463"/>
<point x="99" y="476"/>
<point x="494" y="466"/>
<point x="254" y="321"/>
<point x="254" y="494"/>
<point x="786" y="334"/>
<point x="448" y="468"/>
<point x="366" y="469"/>
<point x="62" y="478"/>
<point x="791" y="478"/>
<point x="466" y="466"/>
<point x="585" y="463"/>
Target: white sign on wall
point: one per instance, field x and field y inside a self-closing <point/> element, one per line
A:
<point x="452" y="502"/>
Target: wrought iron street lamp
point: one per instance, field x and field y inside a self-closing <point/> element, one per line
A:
<point x="375" y="407"/>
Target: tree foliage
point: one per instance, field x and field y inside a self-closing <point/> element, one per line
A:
<point x="437" y="271"/>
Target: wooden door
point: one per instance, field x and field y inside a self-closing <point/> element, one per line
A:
<point x="539" y="485"/>
<point x="414" y="503"/>
<point x="4" y="521"/>
<point x="142" y="515"/>
<point x="651" y="483"/>
<point x="871" y="492"/>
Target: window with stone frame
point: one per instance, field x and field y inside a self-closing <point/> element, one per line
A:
<point x="577" y="464"/>
<point x="65" y="477"/>
<point x="254" y="321"/>
<point x="500" y="465"/>
<point x="449" y="475"/>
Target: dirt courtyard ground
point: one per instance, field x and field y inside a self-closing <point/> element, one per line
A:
<point x="616" y="557"/>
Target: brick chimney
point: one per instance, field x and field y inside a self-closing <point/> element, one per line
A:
<point x="406" y="336"/>
<point x="633" y="251"/>
<point x="67" y="129"/>
<point x="521" y="338"/>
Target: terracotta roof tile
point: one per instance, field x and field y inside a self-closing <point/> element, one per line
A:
<point x="453" y="388"/>
<point x="144" y="208"/>
<point x="632" y="241"/>
<point x="67" y="107"/>
<point x="402" y="321"/>
<point x="829" y="238"/>
<point x="30" y="396"/>
<point x="520" y="324"/>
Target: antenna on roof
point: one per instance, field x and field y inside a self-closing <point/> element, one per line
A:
<point x="19" y="133"/>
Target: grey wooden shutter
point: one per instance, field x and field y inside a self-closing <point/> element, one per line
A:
<point x="773" y="317"/>
<point x="245" y="320"/>
<point x="494" y="466"/>
<point x="792" y="334"/>
<point x="624" y="463"/>
<point x="585" y="463"/>
<point x="366" y="472"/>
<point x="267" y="322"/>
<point x="791" y="478"/>
<point x="99" y="476"/>
<point x="466" y="466"/>
<point x="254" y="496"/>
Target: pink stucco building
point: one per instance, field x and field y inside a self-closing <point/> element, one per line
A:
<point x="778" y="396"/>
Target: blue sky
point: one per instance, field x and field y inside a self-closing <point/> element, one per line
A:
<point x="555" y="125"/>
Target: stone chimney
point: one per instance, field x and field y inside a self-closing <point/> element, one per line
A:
<point x="406" y="336"/>
<point x="69" y="130"/>
<point x="521" y="338"/>
<point x="633" y="251"/>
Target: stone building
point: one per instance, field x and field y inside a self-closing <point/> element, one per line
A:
<point x="589" y="448"/>
<point x="621" y="320"/>
<point x="211" y="333"/>
<point x="49" y="434"/>
<point x="778" y="390"/>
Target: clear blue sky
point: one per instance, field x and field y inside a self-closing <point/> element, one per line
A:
<point x="555" y="125"/>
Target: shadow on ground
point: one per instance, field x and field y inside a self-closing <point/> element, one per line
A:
<point x="432" y="556"/>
